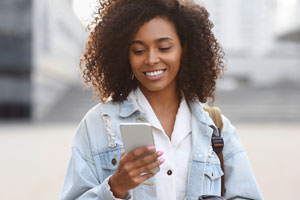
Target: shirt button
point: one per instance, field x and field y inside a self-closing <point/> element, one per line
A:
<point x="169" y="172"/>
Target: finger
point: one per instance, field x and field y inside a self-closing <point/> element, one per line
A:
<point x="124" y="160"/>
<point x="122" y="155"/>
<point x="148" y="167"/>
<point x="129" y="165"/>
<point x="147" y="159"/>
<point x="145" y="177"/>
<point x="128" y="158"/>
<point x="140" y="151"/>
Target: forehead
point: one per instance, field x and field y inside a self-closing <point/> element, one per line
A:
<point x="157" y="27"/>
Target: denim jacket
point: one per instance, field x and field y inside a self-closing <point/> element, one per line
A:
<point x="97" y="148"/>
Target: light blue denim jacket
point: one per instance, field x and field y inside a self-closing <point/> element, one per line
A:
<point x="98" y="141"/>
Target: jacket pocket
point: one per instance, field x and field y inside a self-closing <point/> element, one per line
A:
<point x="212" y="179"/>
<point x="108" y="161"/>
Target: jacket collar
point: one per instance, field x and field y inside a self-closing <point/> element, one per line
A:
<point x="129" y="106"/>
<point x="202" y="116"/>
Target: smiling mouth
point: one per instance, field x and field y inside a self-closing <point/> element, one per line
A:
<point x="155" y="73"/>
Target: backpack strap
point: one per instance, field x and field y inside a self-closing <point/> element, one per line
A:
<point x="217" y="141"/>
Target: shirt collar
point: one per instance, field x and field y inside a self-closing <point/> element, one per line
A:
<point x="146" y="108"/>
<point x="183" y="113"/>
<point x="130" y="106"/>
<point x="183" y="117"/>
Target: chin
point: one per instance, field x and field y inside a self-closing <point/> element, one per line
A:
<point x="154" y="87"/>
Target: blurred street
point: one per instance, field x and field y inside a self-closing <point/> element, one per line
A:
<point x="42" y="98"/>
<point x="242" y="105"/>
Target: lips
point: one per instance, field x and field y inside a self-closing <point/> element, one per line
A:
<point x="154" y="73"/>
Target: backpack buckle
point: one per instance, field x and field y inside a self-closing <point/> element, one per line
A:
<point x="217" y="144"/>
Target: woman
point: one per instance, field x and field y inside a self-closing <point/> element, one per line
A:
<point x="154" y="61"/>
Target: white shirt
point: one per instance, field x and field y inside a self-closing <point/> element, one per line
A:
<point x="176" y="152"/>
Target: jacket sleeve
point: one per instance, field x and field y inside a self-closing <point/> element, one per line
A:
<point x="81" y="181"/>
<point x="240" y="182"/>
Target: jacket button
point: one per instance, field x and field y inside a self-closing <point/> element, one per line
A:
<point x="114" y="161"/>
<point x="169" y="172"/>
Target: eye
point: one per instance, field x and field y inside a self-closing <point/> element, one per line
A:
<point x="138" y="52"/>
<point x="165" y="48"/>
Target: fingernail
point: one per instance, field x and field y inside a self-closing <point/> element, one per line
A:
<point x="150" y="148"/>
<point x="162" y="160"/>
<point x="159" y="153"/>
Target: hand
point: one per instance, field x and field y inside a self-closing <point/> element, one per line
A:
<point x="134" y="170"/>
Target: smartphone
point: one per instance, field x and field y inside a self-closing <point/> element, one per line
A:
<point x="136" y="135"/>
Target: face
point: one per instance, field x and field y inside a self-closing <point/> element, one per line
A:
<point x="155" y="54"/>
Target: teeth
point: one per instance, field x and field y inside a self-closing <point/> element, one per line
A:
<point x="154" y="73"/>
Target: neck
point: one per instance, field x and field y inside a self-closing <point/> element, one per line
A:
<point x="162" y="101"/>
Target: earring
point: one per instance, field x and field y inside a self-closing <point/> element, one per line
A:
<point x="132" y="76"/>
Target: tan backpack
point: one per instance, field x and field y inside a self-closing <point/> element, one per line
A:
<point x="217" y="141"/>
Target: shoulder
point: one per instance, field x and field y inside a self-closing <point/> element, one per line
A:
<point x="95" y="118"/>
<point x="92" y="130"/>
<point x="232" y="142"/>
<point x="100" y="109"/>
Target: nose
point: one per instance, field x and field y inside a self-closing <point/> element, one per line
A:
<point x="152" y="58"/>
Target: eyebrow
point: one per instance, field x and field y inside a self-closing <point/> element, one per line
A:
<point x="156" y="41"/>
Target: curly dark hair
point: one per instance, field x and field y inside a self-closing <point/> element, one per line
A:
<point x="106" y="65"/>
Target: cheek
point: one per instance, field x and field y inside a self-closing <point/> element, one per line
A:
<point x="132" y="62"/>
<point x="135" y="62"/>
<point x="175" y="60"/>
<point x="178" y="56"/>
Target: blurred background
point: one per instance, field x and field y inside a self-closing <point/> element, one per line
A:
<point x="42" y="97"/>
